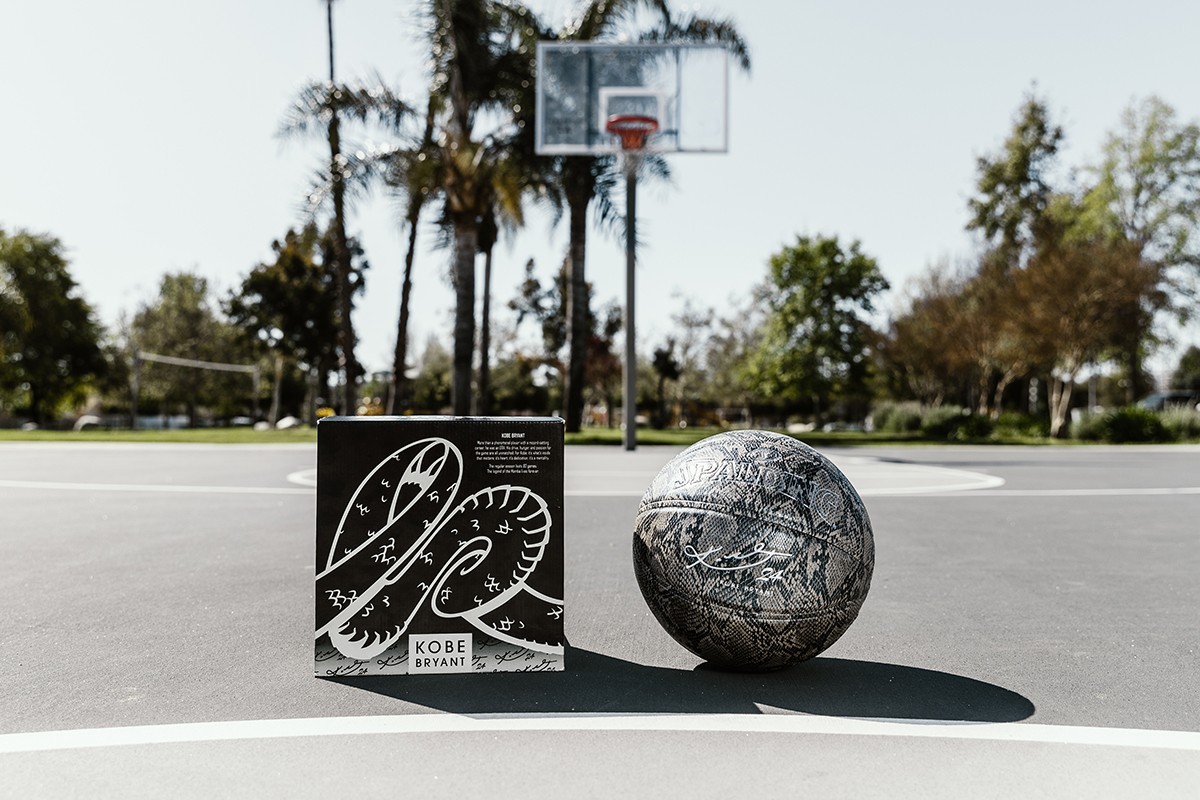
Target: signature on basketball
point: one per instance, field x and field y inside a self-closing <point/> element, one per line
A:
<point x="750" y="559"/>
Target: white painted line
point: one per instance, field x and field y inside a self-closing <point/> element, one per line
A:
<point x="877" y="479"/>
<point x="613" y="473"/>
<point x="159" y="447"/>
<point x="303" y="477"/>
<point x="719" y="723"/>
<point x="306" y="478"/>
<point x="1115" y="492"/>
<point x="148" y="487"/>
<point x="950" y="491"/>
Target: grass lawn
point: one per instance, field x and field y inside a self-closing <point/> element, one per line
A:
<point x="591" y="436"/>
<point x="200" y="435"/>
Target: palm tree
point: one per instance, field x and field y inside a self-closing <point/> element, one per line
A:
<point x="421" y="172"/>
<point x="509" y="183"/>
<point x="341" y="251"/>
<point x="315" y="107"/>
<point x="324" y="105"/>
<point x="583" y="179"/>
<point x="481" y="54"/>
<point x="416" y="174"/>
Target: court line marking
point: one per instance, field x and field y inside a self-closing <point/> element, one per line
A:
<point x="303" y="477"/>
<point x="150" y="487"/>
<point x="976" y="485"/>
<point x="194" y="732"/>
<point x="948" y="490"/>
<point x="1116" y="492"/>
<point x="935" y="492"/>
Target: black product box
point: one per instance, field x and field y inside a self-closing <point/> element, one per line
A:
<point x="439" y="545"/>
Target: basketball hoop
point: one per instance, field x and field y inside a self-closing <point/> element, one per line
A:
<point x="633" y="129"/>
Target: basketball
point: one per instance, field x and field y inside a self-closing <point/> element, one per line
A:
<point x="753" y="550"/>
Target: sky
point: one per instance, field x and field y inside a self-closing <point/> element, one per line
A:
<point x="143" y="135"/>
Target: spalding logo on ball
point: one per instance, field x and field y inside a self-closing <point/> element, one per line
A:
<point x="753" y="550"/>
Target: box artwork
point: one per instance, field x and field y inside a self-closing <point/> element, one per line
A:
<point x="439" y="545"/>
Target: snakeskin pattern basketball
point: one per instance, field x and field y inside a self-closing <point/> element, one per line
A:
<point x="753" y="550"/>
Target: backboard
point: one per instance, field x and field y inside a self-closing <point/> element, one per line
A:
<point x="581" y="86"/>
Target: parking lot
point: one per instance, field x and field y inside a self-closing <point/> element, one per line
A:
<point x="1031" y="630"/>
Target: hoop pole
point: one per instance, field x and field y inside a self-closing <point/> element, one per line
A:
<point x="630" y="404"/>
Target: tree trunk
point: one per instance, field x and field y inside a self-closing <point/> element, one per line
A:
<point x="981" y="402"/>
<point x="398" y="390"/>
<point x="399" y="385"/>
<point x="485" y="338"/>
<point x="341" y="251"/>
<point x="661" y="421"/>
<point x="344" y="269"/>
<point x="273" y="415"/>
<point x="35" y="405"/>
<point x="1133" y="383"/>
<point x="1060" y="404"/>
<point x="465" y="247"/>
<point x="577" y="311"/>
<point x="1006" y="379"/>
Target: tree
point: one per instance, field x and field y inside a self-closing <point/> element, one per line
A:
<point x="735" y="336"/>
<point x="414" y="173"/>
<point x="1076" y="300"/>
<point x="815" y="340"/>
<point x="986" y="336"/>
<point x="418" y="173"/>
<point x="49" y="338"/>
<point x="289" y="305"/>
<point x="545" y="306"/>
<point x="322" y="106"/>
<point x="692" y="324"/>
<point x="1014" y="190"/>
<point x="1187" y="373"/>
<point x="431" y="387"/>
<point x="1148" y="184"/>
<point x="1147" y="193"/>
<point x="604" y="369"/>
<point x="666" y="368"/>
<point x="182" y="322"/>
<point x="583" y="179"/>
<point x="924" y="355"/>
<point x="477" y="49"/>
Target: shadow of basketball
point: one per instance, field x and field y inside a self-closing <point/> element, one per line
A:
<point x="596" y="683"/>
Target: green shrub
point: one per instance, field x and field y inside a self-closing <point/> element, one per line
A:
<point x="897" y="417"/>
<point x="972" y="428"/>
<point x="1134" y="424"/>
<point x="1088" y="428"/>
<point x="1181" y="424"/>
<point x="1012" y="424"/>
<point x="942" y="422"/>
<point x="1121" y="425"/>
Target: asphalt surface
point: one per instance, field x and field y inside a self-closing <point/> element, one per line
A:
<point x="1032" y="630"/>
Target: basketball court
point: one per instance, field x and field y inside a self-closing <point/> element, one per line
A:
<point x="1030" y="630"/>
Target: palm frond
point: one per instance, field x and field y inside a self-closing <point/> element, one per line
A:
<point x="309" y="109"/>
<point x="702" y="30"/>
<point x="600" y="19"/>
<point x="316" y="103"/>
<point x="361" y="169"/>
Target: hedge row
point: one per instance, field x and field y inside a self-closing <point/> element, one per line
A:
<point x="957" y="424"/>
<point x="1134" y="424"/>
